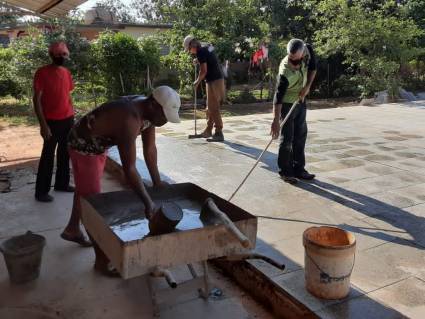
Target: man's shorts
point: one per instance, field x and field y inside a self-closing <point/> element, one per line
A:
<point x="88" y="171"/>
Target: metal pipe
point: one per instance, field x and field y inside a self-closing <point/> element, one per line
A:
<point x="159" y="272"/>
<point x="192" y="271"/>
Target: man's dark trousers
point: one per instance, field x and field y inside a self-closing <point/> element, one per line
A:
<point x="291" y="158"/>
<point x="59" y="130"/>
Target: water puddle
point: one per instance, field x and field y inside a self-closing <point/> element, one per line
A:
<point x="129" y="226"/>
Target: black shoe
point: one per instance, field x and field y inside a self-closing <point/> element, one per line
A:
<point x="305" y="175"/>
<point x="67" y="189"/>
<point x="46" y="198"/>
<point x="217" y="137"/>
<point x="289" y="179"/>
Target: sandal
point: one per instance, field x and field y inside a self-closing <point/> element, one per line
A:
<point x="81" y="240"/>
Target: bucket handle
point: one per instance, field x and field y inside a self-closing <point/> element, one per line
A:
<point x="325" y="277"/>
<point x="2" y="249"/>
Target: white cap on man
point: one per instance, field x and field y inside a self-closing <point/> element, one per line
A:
<point x="186" y="41"/>
<point x="170" y="102"/>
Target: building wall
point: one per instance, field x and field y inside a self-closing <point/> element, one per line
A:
<point x="90" y="35"/>
<point x="88" y="32"/>
<point x="139" y="32"/>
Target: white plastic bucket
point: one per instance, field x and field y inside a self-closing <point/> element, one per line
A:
<point x="329" y="261"/>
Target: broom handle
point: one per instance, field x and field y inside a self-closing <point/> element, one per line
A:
<point x="194" y="103"/>
<point x="265" y="149"/>
<point x="246" y="243"/>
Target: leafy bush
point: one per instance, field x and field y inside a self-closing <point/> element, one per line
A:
<point x="374" y="42"/>
<point x="123" y="62"/>
<point x="119" y="60"/>
<point x="9" y="84"/>
<point x="31" y="53"/>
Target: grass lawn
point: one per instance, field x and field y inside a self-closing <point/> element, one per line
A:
<point x="20" y="112"/>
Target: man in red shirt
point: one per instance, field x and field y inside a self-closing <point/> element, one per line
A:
<point x="53" y="107"/>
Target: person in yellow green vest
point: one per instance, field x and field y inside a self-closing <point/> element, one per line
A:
<point x="296" y="74"/>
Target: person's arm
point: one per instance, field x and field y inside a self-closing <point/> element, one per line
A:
<point x="311" y="73"/>
<point x="44" y="128"/>
<point x="282" y="86"/>
<point x="71" y="87"/>
<point x="202" y="74"/>
<point x="127" y="150"/>
<point x="151" y="155"/>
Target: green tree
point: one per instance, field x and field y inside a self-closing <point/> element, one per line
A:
<point x="374" y="43"/>
<point x="31" y="52"/>
<point x="155" y="11"/>
<point x="121" y="11"/>
<point x="123" y="61"/>
<point x="9" y="84"/>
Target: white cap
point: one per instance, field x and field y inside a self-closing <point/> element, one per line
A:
<point x="170" y="102"/>
<point x="187" y="41"/>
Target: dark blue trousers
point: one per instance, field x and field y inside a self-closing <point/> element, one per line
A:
<point x="291" y="158"/>
<point x="60" y="130"/>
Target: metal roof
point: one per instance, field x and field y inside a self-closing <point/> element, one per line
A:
<point x="14" y="26"/>
<point x="50" y="8"/>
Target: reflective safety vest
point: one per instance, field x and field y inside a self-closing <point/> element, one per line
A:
<point x="297" y="78"/>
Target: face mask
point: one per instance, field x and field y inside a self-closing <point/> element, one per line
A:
<point x="296" y="62"/>
<point x="58" y="60"/>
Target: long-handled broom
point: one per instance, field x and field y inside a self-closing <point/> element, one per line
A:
<point x="196" y="135"/>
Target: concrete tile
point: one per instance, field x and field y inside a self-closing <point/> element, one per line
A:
<point x="355" y="143"/>
<point x="386" y="264"/>
<point x="394" y="198"/>
<point x="198" y="308"/>
<point x="358" y="173"/>
<point x="294" y="283"/>
<point x="280" y="253"/>
<point x="379" y="158"/>
<point x="326" y="147"/>
<point x="416" y="193"/>
<point x="358" y="152"/>
<point x="68" y="284"/>
<point x="359" y="308"/>
<point x="285" y="232"/>
<point x="335" y="165"/>
<point x="383" y="183"/>
<point x="406" y="296"/>
<point x="410" y="225"/>
<point x="20" y="214"/>
<point x="293" y="248"/>
<point x="388" y="228"/>
<point x="417" y="210"/>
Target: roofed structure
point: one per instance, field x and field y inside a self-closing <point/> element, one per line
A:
<point x="49" y="8"/>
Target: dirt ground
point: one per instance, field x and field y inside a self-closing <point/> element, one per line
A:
<point x="19" y="145"/>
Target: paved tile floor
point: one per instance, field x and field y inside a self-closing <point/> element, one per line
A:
<point x="68" y="288"/>
<point x="370" y="166"/>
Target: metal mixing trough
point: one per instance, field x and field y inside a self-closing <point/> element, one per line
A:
<point x="117" y="222"/>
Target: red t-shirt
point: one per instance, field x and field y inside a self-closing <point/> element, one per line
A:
<point x="56" y="84"/>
